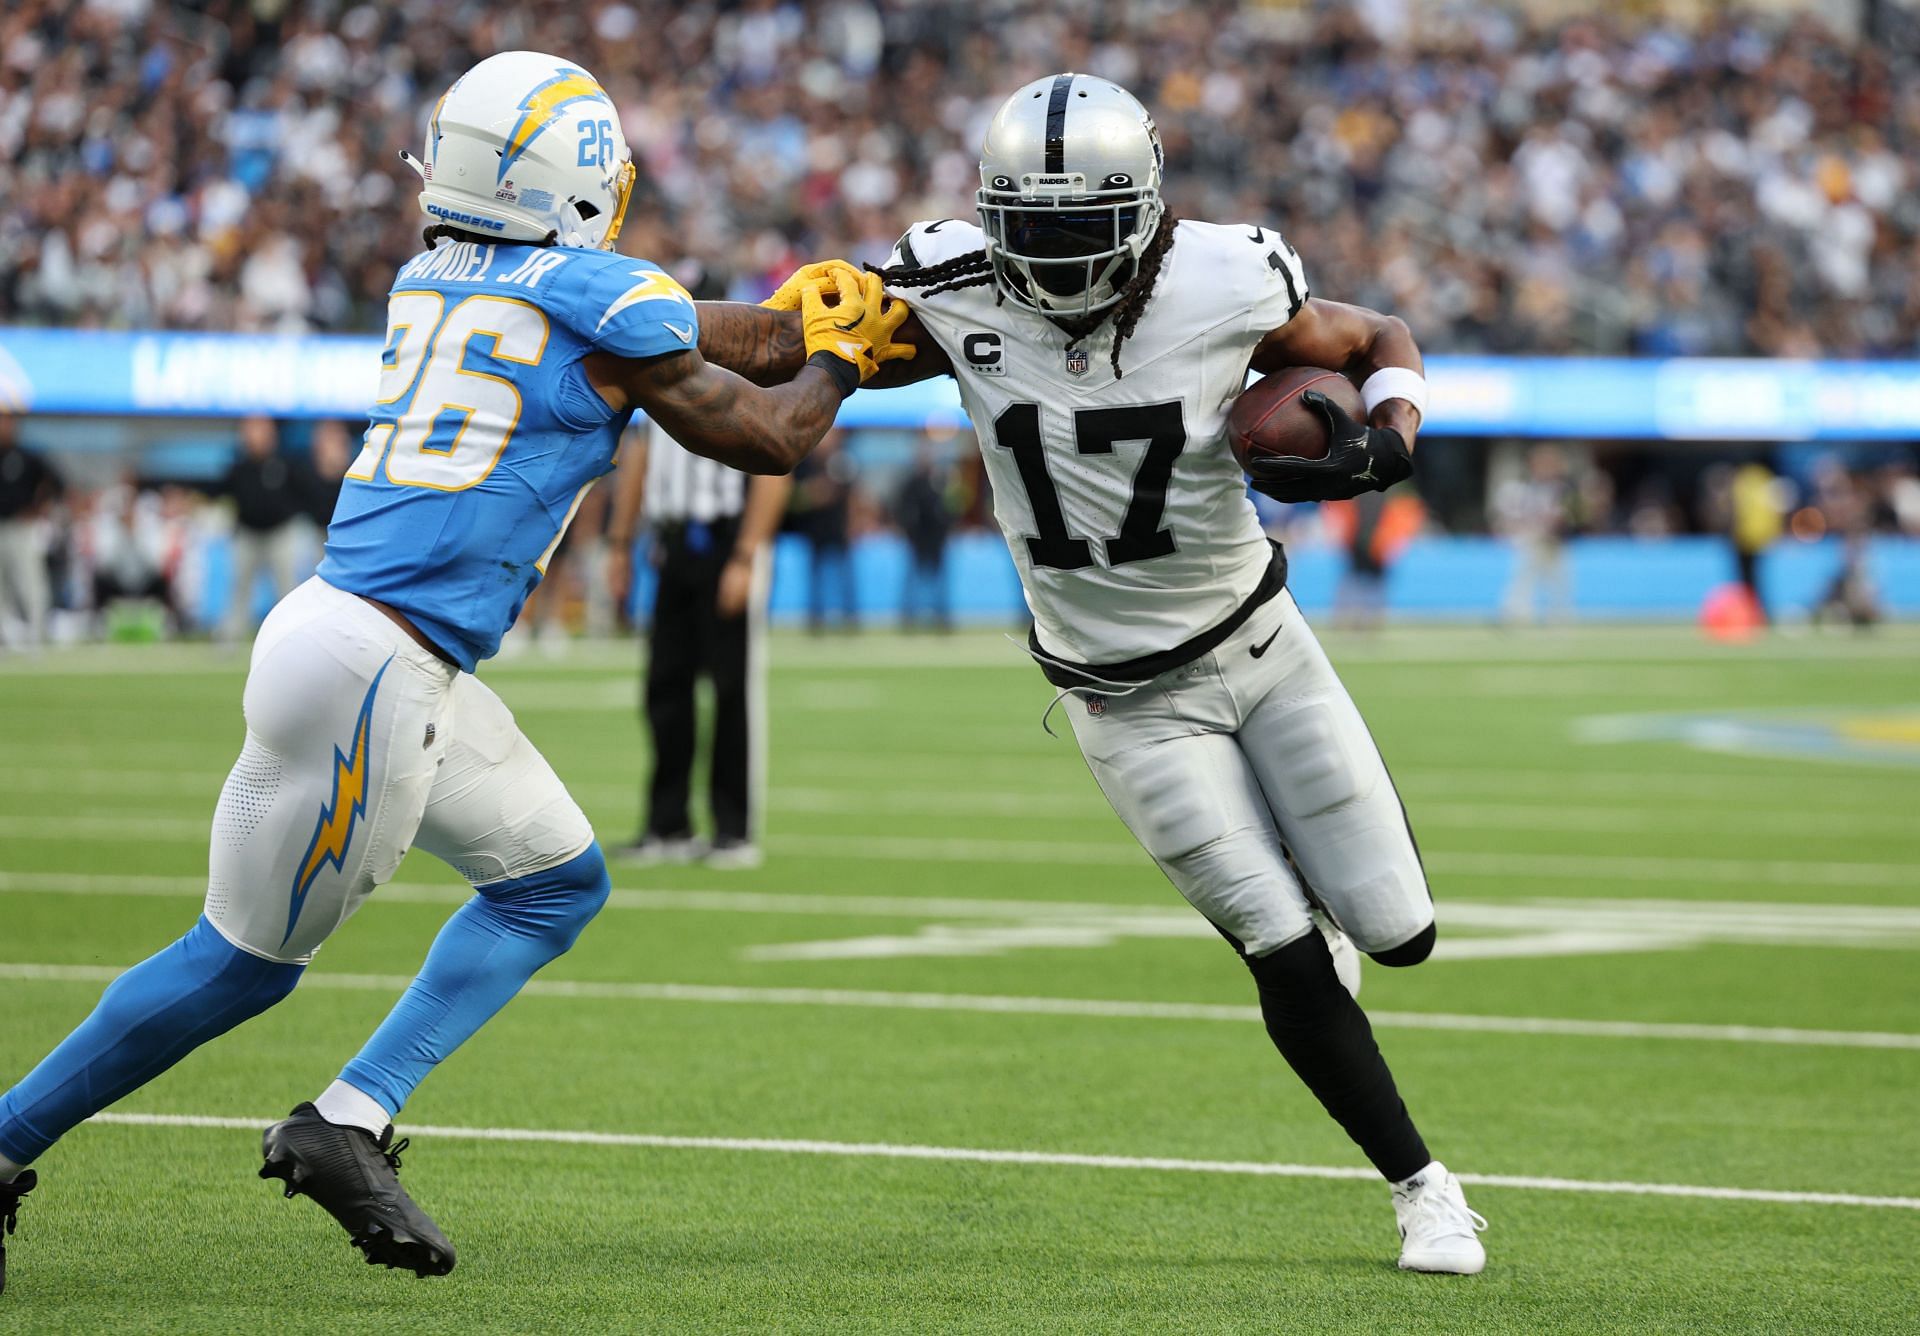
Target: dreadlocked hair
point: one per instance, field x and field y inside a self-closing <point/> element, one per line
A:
<point x="974" y="269"/>
<point x="1127" y="311"/>
<point x="962" y="271"/>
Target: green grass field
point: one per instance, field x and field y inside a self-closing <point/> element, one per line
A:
<point x="1726" y="938"/>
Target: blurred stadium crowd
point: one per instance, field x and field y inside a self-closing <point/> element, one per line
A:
<point x="1606" y="184"/>
<point x="1593" y="185"/>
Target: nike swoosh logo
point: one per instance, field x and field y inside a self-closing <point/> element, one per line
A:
<point x="1262" y="647"/>
<point x="1259" y="236"/>
<point x="684" y="335"/>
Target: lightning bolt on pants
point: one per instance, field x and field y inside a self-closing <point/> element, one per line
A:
<point x="306" y="826"/>
<point x="359" y="743"/>
<point x="347" y="721"/>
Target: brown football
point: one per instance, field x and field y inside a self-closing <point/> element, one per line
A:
<point x="1269" y="419"/>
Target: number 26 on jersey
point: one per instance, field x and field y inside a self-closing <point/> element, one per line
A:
<point x="439" y="423"/>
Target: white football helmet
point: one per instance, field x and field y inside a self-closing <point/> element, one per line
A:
<point x="527" y="147"/>
<point x="1069" y="193"/>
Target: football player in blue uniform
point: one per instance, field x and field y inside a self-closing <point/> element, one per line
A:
<point x="518" y="346"/>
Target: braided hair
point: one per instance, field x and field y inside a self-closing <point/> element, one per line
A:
<point x="1133" y="302"/>
<point x="973" y="269"/>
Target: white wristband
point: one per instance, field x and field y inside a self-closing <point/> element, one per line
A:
<point x="1395" y="382"/>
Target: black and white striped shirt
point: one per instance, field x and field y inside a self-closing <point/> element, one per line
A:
<point x="684" y="488"/>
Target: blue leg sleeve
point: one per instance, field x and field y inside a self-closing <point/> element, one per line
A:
<point x="148" y="1019"/>
<point x="490" y="947"/>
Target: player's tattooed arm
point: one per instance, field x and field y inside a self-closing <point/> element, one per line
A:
<point x="713" y="412"/>
<point x="769" y="347"/>
<point x="766" y="347"/>
<point x="847" y="326"/>
<point x="1351" y="339"/>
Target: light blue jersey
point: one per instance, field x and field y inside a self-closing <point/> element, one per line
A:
<point x="487" y="435"/>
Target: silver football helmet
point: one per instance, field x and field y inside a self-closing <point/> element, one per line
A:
<point x="1069" y="193"/>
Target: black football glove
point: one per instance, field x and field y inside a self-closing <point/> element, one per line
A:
<point x="1359" y="459"/>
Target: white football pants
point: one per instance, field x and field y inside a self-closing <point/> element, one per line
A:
<point x="360" y="743"/>
<point x="1224" y="767"/>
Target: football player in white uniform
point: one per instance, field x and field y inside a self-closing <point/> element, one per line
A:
<point x="1098" y="343"/>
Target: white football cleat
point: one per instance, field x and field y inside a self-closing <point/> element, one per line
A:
<point x="1346" y="957"/>
<point x="1438" y="1230"/>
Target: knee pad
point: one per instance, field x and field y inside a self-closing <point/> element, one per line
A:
<point x="555" y="903"/>
<point x="1410" y="952"/>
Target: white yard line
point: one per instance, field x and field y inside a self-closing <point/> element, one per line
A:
<point x="107" y="828"/>
<point x="1016" y="784"/>
<point x="1091" y="1008"/>
<point x="1582" y="867"/>
<point x="1118" y="852"/>
<point x="1778" y="783"/>
<point x="880" y="1150"/>
<point x="1629" y="867"/>
<point x="1657" y="818"/>
<point x="718" y="902"/>
<point x="1524" y="812"/>
<point x="1772" y="922"/>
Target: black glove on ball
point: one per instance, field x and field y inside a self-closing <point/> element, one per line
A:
<point x="1359" y="459"/>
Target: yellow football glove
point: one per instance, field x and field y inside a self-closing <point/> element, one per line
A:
<point x="884" y="317"/>
<point x="858" y="330"/>
<point x="835" y="340"/>
<point x="787" y="296"/>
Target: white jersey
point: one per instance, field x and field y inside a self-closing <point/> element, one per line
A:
<point x="1124" y="508"/>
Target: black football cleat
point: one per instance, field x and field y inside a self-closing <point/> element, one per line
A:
<point x="356" y="1180"/>
<point x="10" y="1195"/>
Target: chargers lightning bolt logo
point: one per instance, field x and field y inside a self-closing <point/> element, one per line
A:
<point x="654" y="286"/>
<point x="338" y="816"/>
<point x="433" y="122"/>
<point x="538" y="109"/>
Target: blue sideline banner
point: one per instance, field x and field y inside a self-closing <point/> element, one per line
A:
<point x="218" y="375"/>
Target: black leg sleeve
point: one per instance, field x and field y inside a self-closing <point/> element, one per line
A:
<point x="1324" y="1036"/>
<point x="673" y="663"/>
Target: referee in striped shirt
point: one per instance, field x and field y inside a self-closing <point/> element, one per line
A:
<point x="712" y="529"/>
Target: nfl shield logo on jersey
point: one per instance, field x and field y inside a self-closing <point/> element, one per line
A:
<point x="1077" y="362"/>
<point x="1096" y="705"/>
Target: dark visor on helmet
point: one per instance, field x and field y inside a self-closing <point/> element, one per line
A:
<point x="1056" y="242"/>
